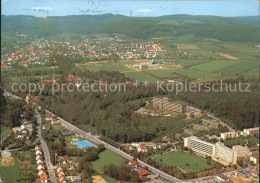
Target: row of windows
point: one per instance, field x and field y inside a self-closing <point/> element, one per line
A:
<point x="202" y="147"/>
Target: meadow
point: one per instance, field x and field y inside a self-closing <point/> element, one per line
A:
<point x="11" y="173"/>
<point x="186" y="161"/>
<point x="107" y="157"/>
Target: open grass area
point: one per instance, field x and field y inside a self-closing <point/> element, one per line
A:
<point x="107" y="157"/>
<point x="108" y="179"/>
<point x="251" y="73"/>
<point x="190" y="73"/>
<point x="4" y="129"/>
<point x="190" y="62"/>
<point x="186" y="161"/>
<point x="11" y="173"/>
<point x="214" y="65"/>
<point x="163" y="73"/>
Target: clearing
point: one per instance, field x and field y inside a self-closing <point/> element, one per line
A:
<point x="107" y="157"/>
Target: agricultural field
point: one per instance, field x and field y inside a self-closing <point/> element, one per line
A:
<point x="204" y="63"/>
<point x="163" y="73"/>
<point x="140" y="76"/>
<point x="107" y="157"/>
<point x="241" y="67"/>
<point x="191" y="62"/>
<point x="185" y="161"/>
<point x="214" y="65"/>
<point x="193" y="73"/>
<point x="252" y="72"/>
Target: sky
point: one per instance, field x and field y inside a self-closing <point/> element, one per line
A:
<point x="140" y="8"/>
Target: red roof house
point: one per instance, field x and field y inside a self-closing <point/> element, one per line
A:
<point x="143" y="172"/>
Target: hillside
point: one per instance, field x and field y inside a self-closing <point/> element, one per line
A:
<point x="222" y="28"/>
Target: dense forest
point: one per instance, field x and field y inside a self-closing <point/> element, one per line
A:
<point x="222" y="28"/>
<point x="103" y="112"/>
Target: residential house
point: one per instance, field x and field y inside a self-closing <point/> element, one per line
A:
<point x="48" y="117"/>
<point x="54" y="121"/>
<point x="221" y="177"/>
<point x="40" y="166"/>
<point x="255" y="158"/>
<point x="44" y="178"/>
<point x="73" y="178"/>
<point x="143" y="173"/>
<point x="133" y="164"/>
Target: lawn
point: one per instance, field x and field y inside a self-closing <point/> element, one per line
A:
<point x="108" y="157"/>
<point x="4" y="128"/>
<point x="186" y="161"/>
<point x="11" y="173"/>
<point x="108" y="179"/>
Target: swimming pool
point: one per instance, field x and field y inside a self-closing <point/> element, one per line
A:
<point x="84" y="144"/>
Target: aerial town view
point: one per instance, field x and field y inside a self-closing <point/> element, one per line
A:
<point x="109" y="91"/>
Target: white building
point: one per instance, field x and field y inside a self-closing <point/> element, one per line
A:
<point x="228" y="135"/>
<point x="225" y="153"/>
<point x="200" y="146"/>
<point x="218" y="150"/>
<point x="251" y="131"/>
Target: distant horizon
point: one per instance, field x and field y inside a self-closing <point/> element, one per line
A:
<point x="131" y="8"/>
<point x="131" y="16"/>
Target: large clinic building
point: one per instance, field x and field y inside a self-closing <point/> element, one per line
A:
<point x="218" y="150"/>
<point x="199" y="146"/>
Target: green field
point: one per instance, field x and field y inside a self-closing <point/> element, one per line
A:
<point x="10" y="173"/>
<point x="139" y="76"/>
<point x="185" y="161"/>
<point x="107" y="157"/>
<point x="190" y="73"/>
<point x="3" y="129"/>
<point x="108" y="179"/>
<point x="165" y="73"/>
<point x="252" y="72"/>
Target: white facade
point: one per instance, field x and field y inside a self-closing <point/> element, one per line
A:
<point x="200" y="146"/>
<point x="227" y="135"/>
<point x="226" y="153"/>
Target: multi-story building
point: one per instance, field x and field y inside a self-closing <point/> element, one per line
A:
<point x="225" y="153"/>
<point x="228" y="135"/>
<point x="252" y="131"/>
<point x="218" y="150"/>
<point x="200" y="146"/>
<point x="168" y="106"/>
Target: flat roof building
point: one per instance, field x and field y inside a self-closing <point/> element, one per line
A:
<point x="228" y="135"/>
<point x="199" y="146"/>
<point x="252" y="131"/>
<point x="225" y="153"/>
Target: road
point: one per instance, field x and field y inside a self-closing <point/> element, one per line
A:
<point x="108" y="146"/>
<point x="46" y="152"/>
<point x="221" y="122"/>
<point x="116" y="150"/>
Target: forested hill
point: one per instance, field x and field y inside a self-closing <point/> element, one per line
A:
<point x="222" y="28"/>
